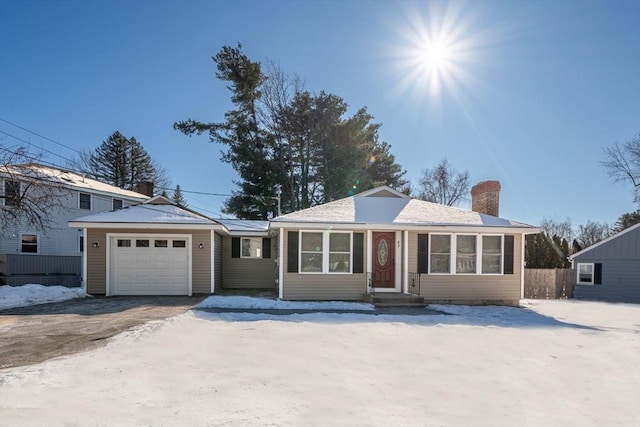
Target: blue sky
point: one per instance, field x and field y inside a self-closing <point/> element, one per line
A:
<point x="529" y="93"/>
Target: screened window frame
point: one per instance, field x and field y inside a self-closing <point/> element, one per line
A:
<point x="593" y="273"/>
<point x="453" y="254"/>
<point x="500" y="262"/>
<point x="258" y="247"/>
<point x="36" y="245"/>
<point x="16" y="186"/>
<point x="325" y="252"/>
<point x="80" y="194"/>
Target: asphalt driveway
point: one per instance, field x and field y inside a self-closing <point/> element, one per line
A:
<point x="36" y="333"/>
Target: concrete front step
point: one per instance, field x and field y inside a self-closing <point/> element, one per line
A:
<point x="395" y="300"/>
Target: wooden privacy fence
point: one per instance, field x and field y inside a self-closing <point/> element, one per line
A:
<point x="549" y="283"/>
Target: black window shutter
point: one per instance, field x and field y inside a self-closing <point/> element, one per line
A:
<point x="266" y="247"/>
<point x="358" y="252"/>
<point x="597" y="274"/>
<point x="292" y="252"/>
<point x="235" y="247"/>
<point x="508" y="255"/>
<point x="423" y="253"/>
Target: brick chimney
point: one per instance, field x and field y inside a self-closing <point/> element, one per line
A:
<point x="485" y="198"/>
<point x="146" y="188"/>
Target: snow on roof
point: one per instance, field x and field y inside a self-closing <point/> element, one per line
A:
<point x="243" y="225"/>
<point x="146" y="213"/>
<point x="71" y="179"/>
<point x="373" y="207"/>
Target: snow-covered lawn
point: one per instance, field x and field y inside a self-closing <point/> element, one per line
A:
<point x="19" y="296"/>
<point x="553" y="363"/>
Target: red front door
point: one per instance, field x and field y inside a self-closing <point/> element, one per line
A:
<point x="383" y="255"/>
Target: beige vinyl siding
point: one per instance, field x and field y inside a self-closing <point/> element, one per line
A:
<point x="248" y="273"/>
<point x="471" y="288"/>
<point x="97" y="258"/>
<point x="341" y="287"/>
<point x="217" y="262"/>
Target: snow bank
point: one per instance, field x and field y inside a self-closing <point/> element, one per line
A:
<point x="19" y="296"/>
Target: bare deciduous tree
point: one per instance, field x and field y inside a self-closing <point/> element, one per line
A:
<point x="444" y="185"/>
<point x="591" y="233"/>
<point x="30" y="195"/>
<point x="622" y="163"/>
<point x="554" y="227"/>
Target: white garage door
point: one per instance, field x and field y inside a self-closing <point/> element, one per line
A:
<point x="144" y="265"/>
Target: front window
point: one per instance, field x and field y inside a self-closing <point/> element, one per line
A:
<point x="325" y="252"/>
<point x="251" y="247"/>
<point x="11" y="193"/>
<point x="311" y="253"/>
<point x="466" y="254"/>
<point x="585" y="274"/>
<point x="29" y="243"/>
<point x="340" y="253"/>
<point x="85" y="201"/>
<point x="117" y="204"/>
<point x="491" y="254"/>
<point x="440" y="253"/>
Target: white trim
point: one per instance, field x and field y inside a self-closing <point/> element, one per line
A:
<point x="397" y="273"/>
<point x="369" y="249"/>
<point x="32" y="233"/>
<point x="326" y="252"/>
<point x="213" y="261"/>
<point x="405" y="262"/>
<point x="422" y="228"/>
<point x="602" y="242"/>
<point x="145" y="225"/>
<point x="90" y="201"/>
<point x="380" y="189"/>
<point x="84" y="262"/>
<point x="479" y="247"/>
<point x="251" y="239"/>
<point x="522" y="244"/>
<point x="281" y="264"/>
<point x="186" y="237"/>
<point x="593" y="273"/>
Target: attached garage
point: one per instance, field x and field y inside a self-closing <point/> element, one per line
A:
<point x="154" y="248"/>
<point x="149" y="264"/>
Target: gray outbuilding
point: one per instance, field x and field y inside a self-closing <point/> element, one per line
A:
<point x="610" y="269"/>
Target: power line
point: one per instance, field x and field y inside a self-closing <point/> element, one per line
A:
<point x="41" y="136"/>
<point x="37" y="146"/>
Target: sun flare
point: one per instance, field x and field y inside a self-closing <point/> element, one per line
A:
<point x="437" y="48"/>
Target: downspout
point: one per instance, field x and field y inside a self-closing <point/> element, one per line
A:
<point x="213" y="262"/>
<point x="405" y="262"/>
<point x="522" y="237"/>
<point x="281" y="263"/>
<point x="84" y="259"/>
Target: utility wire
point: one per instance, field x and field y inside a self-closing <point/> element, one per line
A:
<point x="41" y="136"/>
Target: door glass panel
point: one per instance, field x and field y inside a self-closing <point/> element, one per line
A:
<point x="142" y="243"/>
<point x="179" y="244"/>
<point x="122" y="243"/>
<point x="160" y="243"/>
<point x="383" y="252"/>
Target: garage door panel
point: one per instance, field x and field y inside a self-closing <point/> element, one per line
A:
<point x="149" y="270"/>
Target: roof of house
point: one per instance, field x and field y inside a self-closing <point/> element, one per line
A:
<point x="245" y="227"/>
<point x="157" y="210"/>
<point x="384" y="205"/>
<point x="604" y="241"/>
<point x="69" y="179"/>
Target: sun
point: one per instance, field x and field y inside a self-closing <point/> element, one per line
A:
<point x="436" y="48"/>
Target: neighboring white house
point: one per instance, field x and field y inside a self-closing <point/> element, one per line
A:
<point x="53" y="256"/>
